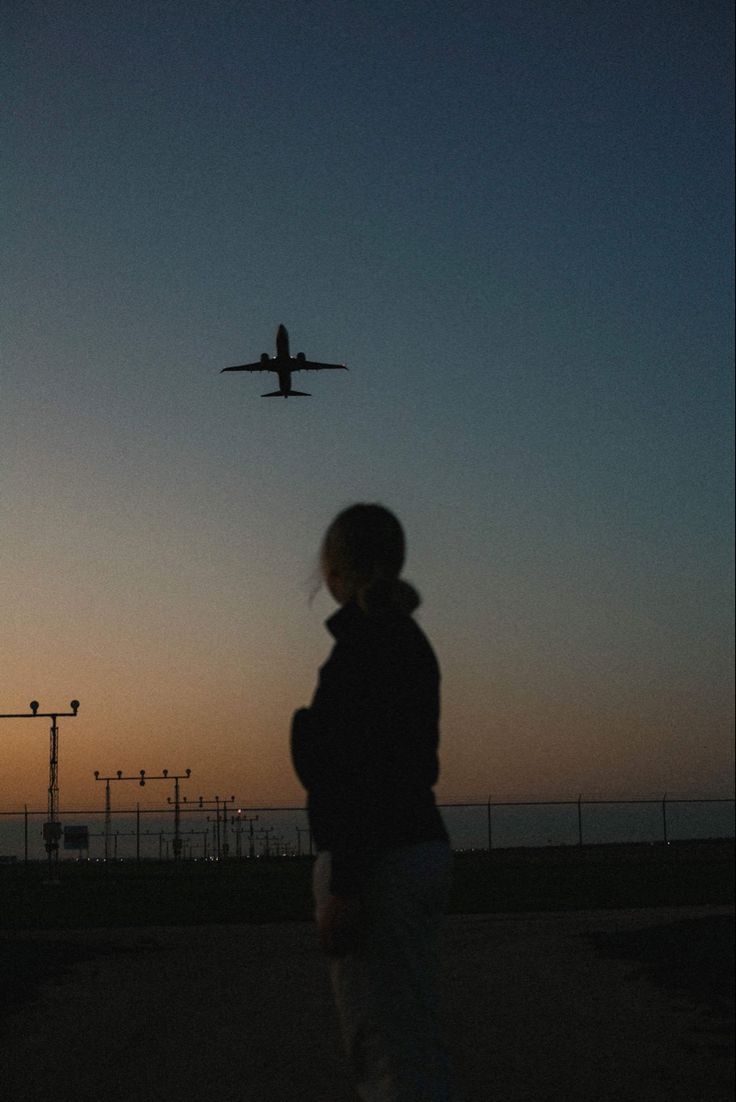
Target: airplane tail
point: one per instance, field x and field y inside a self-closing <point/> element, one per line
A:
<point x="289" y="394"/>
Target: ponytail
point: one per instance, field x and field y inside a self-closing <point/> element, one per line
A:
<point x="394" y="595"/>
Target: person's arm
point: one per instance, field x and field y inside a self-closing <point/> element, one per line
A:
<point x="334" y="755"/>
<point x="304" y="754"/>
<point x="327" y="744"/>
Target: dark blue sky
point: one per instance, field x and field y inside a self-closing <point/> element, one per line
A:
<point x="514" y="222"/>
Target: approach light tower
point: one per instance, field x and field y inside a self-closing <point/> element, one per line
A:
<point x="142" y="778"/>
<point x="221" y="846"/>
<point x="52" y="827"/>
<point x="238" y="819"/>
<point x="175" y="777"/>
<point x="108" y="809"/>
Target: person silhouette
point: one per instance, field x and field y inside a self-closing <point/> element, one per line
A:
<point x="366" y="751"/>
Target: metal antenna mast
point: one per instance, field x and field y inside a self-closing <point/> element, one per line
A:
<point x="52" y="827"/>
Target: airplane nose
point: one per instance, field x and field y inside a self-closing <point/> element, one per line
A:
<point x="282" y="342"/>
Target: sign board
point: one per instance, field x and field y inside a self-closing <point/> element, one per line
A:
<point x="76" y="837"/>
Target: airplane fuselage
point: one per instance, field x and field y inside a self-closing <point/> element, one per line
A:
<point x="283" y="361"/>
<point x="282" y="364"/>
<point x="282" y="344"/>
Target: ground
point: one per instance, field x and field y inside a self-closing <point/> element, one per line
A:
<point x="619" y="1005"/>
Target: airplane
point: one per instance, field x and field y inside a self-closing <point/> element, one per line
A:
<point x="283" y="364"/>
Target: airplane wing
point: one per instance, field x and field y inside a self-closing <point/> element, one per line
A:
<point x="312" y="365"/>
<point x="249" y="367"/>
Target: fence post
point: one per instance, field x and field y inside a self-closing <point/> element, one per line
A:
<point x="490" y="828"/>
<point x="580" y="820"/>
<point x="138" y="832"/>
<point x="25" y="834"/>
<point x="664" y="817"/>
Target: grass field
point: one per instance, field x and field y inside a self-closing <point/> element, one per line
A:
<point x="278" y="890"/>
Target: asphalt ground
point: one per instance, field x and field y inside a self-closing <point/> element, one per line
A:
<point x="608" y="1005"/>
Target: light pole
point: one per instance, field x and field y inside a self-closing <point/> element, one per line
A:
<point x="239" y="819"/>
<point x="175" y="777"/>
<point x="118" y="777"/>
<point x="299" y="832"/>
<point x="264" y="833"/>
<point x="161" y="834"/>
<point x="277" y="851"/>
<point x="221" y="846"/>
<point x="142" y="778"/>
<point x="52" y="826"/>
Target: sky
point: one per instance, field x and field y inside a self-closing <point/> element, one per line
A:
<point x="513" y="222"/>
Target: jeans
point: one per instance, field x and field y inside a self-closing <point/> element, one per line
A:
<point x="386" y="991"/>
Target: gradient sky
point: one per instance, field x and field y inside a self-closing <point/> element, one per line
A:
<point x="513" y="221"/>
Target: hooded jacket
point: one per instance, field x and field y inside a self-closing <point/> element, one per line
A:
<point x="366" y="748"/>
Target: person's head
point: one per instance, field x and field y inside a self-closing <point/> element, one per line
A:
<point x="362" y="557"/>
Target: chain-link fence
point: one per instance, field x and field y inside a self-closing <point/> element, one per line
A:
<point x="157" y="834"/>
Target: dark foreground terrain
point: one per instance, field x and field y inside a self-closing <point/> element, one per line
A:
<point x="278" y="889"/>
<point x="612" y="1005"/>
<point x="568" y="974"/>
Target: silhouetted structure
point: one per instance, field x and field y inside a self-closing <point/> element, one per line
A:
<point x="284" y="364"/>
<point x="221" y="845"/>
<point x="108" y="806"/>
<point x="238" y="820"/>
<point x="52" y="827"/>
